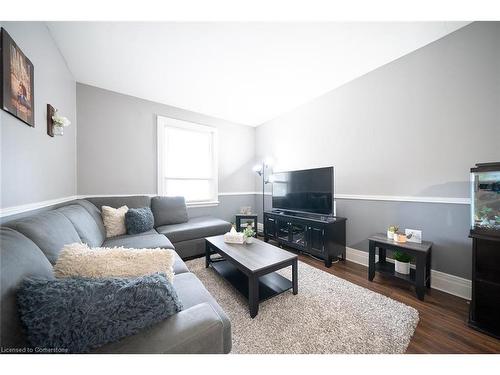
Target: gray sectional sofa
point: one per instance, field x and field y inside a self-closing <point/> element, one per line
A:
<point x="30" y="247"/>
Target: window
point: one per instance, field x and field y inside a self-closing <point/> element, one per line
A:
<point x="187" y="161"/>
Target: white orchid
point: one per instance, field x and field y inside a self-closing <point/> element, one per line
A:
<point x="60" y="121"/>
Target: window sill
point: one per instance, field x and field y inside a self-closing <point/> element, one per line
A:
<point x="203" y="204"/>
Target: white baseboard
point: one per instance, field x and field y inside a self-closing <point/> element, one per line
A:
<point x="451" y="284"/>
<point x="358" y="256"/>
<point x="444" y="282"/>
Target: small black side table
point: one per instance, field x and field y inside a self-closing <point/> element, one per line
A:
<point x="240" y="217"/>
<point x="420" y="276"/>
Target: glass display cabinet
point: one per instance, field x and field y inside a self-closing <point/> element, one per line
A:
<point x="484" y="312"/>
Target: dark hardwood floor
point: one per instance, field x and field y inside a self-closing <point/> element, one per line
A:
<point x="443" y="318"/>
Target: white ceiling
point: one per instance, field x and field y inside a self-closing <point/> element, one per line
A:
<point x="247" y="73"/>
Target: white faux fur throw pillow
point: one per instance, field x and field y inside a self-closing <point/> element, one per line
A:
<point x="78" y="260"/>
<point x="114" y="220"/>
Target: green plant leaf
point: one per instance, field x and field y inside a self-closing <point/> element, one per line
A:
<point x="401" y="256"/>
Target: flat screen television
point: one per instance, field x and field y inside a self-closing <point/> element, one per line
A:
<point x="308" y="190"/>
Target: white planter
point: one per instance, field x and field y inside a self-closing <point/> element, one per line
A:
<point x="401" y="267"/>
<point x="249" y="240"/>
<point x="58" y="130"/>
<point x="390" y="235"/>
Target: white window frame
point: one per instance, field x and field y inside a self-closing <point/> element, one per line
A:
<point x="164" y="122"/>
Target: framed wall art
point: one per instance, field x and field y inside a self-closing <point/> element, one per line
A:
<point x="17" y="94"/>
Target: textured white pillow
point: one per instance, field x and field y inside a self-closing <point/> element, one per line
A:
<point x="78" y="260"/>
<point x="114" y="220"/>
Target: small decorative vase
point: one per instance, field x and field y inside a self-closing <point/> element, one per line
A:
<point x="249" y="240"/>
<point x="58" y="130"/>
<point x="390" y="235"/>
<point x="401" y="238"/>
<point x="401" y="267"/>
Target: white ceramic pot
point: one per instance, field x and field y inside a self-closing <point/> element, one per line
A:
<point x="401" y="267"/>
<point x="390" y="235"/>
<point x="249" y="240"/>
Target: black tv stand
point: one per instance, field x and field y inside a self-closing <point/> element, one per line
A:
<point x="321" y="236"/>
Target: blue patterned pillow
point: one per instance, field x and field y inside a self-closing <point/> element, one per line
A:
<point x="79" y="314"/>
<point x="138" y="220"/>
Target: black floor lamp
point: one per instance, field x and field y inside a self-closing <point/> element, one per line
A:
<point x="261" y="169"/>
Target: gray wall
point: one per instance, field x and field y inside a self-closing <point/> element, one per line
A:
<point x="117" y="148"/>
<point x="413" y="127"/>
<point x="34" y="166"/>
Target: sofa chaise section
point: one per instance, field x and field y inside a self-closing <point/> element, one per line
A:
<point x="196" y="330"/>
<point x="197" y="227"/>
<point x="192" y="292"/>
<point x="29" y="246"/>
<point x="188" y="237"/>
<point x="208" y="331"/>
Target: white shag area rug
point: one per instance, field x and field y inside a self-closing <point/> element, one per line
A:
<point x="329" y="315"/>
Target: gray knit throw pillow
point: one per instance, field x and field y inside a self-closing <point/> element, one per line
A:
<point x="76" y="315"/>
<point x="139" y="220"/>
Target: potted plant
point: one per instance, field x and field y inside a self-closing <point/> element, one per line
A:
<point x="401" y="262"/>
<point x="391" y="230"/>
<point x="248" y="232"/>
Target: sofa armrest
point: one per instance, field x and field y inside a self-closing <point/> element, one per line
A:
<point x="195" y="330"/>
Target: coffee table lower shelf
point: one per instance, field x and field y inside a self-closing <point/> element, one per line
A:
<point x="270" y="284"/>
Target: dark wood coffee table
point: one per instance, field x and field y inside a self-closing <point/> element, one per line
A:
<point x="250" y="268"/>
